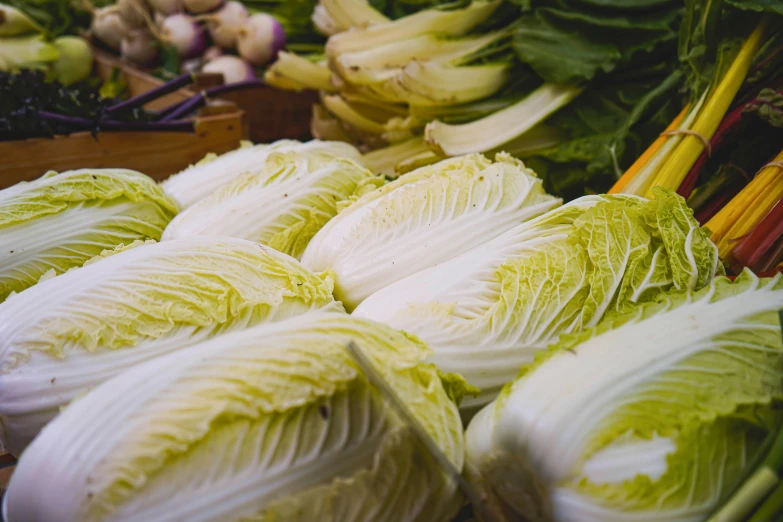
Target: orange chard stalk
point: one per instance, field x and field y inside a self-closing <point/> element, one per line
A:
<point x="628" y="175"/>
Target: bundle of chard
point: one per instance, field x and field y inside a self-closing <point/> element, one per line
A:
<point x="724" y="151"/>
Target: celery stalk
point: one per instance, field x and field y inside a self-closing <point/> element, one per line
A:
<point x="500" y="127"/>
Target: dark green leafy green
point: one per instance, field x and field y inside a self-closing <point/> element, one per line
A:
<point x="59" y="17"/>
<point x="572" y="41"/>
<point x="609" y="125"/>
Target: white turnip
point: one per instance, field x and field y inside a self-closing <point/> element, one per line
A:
<point x="260" y="39"/>
<point x="140" y="47"/>
<point x="224" y="25"/>
<point x="109" y="27"/>
<point x="233" y="69"/>
<point x="185" y="34"/>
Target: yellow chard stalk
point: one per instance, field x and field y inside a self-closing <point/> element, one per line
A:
<point x="676" y="167"/>
<point x="741" y="215"/>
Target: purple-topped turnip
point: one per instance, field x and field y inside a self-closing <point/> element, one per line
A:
<point x="109" y="27"/>
<point x="224" y="25"/>
<point x="167" y="7"/>
<point x="140" y="47"/>
<point x="232" y="68"/>
<point x="260" y="39"/>
<point x="202" y="6"/>
<point x="185" y="34"/>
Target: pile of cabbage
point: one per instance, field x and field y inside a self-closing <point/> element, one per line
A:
<point x="177" y="351"/>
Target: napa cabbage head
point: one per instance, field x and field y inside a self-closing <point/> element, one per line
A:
<point x="74" y="331"/>
<point x="487" y="312"/>
<point x="272" y="423"/>
<point x="59" y="221"/>
<point x="424" y="218"/>
<point x="213" y="171"/>
<point x="282" y="204"/>
<point x="652" y="415"/>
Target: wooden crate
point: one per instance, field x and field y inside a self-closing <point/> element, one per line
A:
<point x="272" y="114"/>
<point x="157" y="154"/>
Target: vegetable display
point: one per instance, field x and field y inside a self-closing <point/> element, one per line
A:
<point x="274" y="423"/>
<point x="487" y="312"/>
<point x="652" y="415"/>
<point x="71" y="332"/>
<point x="556" y="224"/>
<point x="422" y="219"/>
<point x="59" y="221"/>
<point x="282" y="204"/>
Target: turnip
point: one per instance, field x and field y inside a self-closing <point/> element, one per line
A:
<point x="202" y="6"/>
<point x="233" y="69"/>
<point x="185" y="34"/>
<point x="135" y="13"/>
<point x="211" y="53"/>
<point x="109" y="27"/>
<point x="167" y="7"/>
<point x="140" y="47"/>
<point x="260" y="39"/>
<point x="224" y="25"/>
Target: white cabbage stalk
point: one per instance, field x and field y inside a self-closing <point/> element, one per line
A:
<point x="335" y="16"/>
<point x="202" y="179"/>
<point x="500" y="127"/>
<point x="272" y="423"/>
<point x="446" y="22"/>
<point x="375" y="64"/>
<point x="422" y="219"/>
<point x="651" y="416"/>
<point x="281" y="204"/>
<point x="299" y="72"/>
<point x="59" y="221"/>
<point x="487" y="312"/>
<point x="70" y="333"/>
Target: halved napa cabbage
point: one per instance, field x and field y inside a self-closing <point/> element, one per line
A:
<point x="652" y="415"/>
<point x="281" y="205"/>
<point x="424" y="218"/>
<point x="69" y="333"/>
<point x="202" y="179"/>
<point x="488" y="311"/>
<point x="272" y="423"/>
<point x="59" y="221"/>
